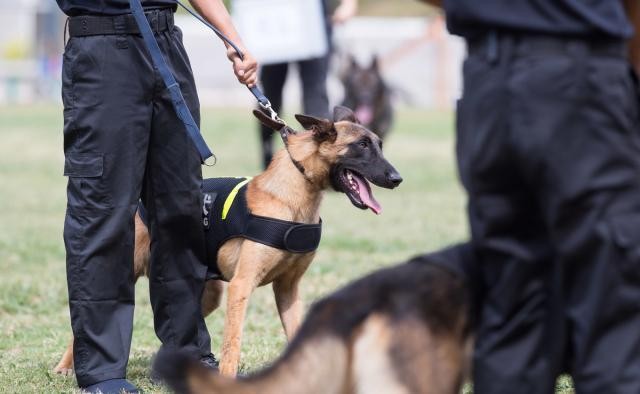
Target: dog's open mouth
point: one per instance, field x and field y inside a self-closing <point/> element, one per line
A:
<point x="357" y="188"/>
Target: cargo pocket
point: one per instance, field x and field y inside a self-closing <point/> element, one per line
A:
<point x="86" y="189"/>
<point x="625" y="234"/>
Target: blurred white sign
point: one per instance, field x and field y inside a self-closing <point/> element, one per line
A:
<point x="277" y="31"/>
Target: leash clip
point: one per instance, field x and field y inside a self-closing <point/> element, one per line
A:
<point x="272" y="113"/>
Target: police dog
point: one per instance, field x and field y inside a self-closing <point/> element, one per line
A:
<point x="367" y="93"/>
<point x="341" y="154"/>
<point x="403" y="329"/>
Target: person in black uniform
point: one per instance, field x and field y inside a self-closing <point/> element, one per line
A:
<point x="123" y="141"/>
<point x="313" y="76"/>
<point x="548" y="148"/>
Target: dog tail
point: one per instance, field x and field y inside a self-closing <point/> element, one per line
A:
<point x="313" y="366"/>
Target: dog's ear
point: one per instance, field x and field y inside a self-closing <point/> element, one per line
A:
<point x="353" y="63"/>
<point x="341" y="113"/>
<point x="349" y="66"/>
<point x="322" y="129"/>
<point x="375" y="64"/>
<point x="267" y="121"/>
<point x="309" y="122"/>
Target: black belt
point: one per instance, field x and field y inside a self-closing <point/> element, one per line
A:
<point x="492" y="43"/>
<point x="93" y="25"/>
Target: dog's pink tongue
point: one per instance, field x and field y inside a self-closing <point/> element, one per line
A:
<point x="366" y="196"/>
<point x="364" y="113"/>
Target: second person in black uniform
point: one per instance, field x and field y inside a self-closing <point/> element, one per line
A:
<point x="548" y="148"/>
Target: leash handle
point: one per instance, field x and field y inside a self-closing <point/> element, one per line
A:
<point x="263" y="101"/>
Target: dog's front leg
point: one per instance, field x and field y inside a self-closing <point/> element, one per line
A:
<point x="251" y="267"/>
<point x="285" y="289"/>
<point x="238" y="293"/>
<point x="289" y="305"/>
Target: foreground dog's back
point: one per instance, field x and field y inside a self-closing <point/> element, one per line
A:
<point x="398" y="330"/>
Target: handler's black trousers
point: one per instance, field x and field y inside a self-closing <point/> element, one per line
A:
<point x="123" y="141"/>
<point x="548" y="147"/>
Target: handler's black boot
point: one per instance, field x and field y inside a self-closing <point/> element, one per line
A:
<point x="210" y="362"/>
<point x="112" y="386"/>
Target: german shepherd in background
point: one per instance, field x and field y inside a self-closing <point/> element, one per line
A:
<point x="367" y="93"/>
<point x="403" y="329"/>
<point x="341" y="154"/>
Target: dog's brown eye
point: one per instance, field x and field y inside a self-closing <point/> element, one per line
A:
<point x="363" y="143"/>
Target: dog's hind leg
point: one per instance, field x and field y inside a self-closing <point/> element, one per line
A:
<point x="65" y="365"/>
<point x="254" y="262"/>
<point x="211" y="296"/>
<point x="142" y="248"/>
<point x="286" y="291"/>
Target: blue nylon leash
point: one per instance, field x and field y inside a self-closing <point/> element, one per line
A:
<point x="170" y="82"/>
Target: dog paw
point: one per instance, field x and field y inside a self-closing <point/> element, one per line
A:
<point x="63" y="370"/>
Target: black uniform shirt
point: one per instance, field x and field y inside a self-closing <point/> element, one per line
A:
<point x="569" y="17"/>
<point x="107" y="7"/>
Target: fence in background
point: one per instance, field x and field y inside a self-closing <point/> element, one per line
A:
<point x="419" y="60"/>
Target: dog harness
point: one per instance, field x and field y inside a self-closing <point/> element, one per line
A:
<point x="226" y="215"/>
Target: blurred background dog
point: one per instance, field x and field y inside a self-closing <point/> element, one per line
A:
<point x="368" y="94"/>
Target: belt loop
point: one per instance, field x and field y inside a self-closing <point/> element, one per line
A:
<point x="154" y="21"/>
<point x="492" y="46"/>
<point x="170" y="21"/>
<point x="120" y="26"/>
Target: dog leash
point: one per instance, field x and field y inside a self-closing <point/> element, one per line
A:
<point x="177" y="99"/>
<point x="263" y="101"/>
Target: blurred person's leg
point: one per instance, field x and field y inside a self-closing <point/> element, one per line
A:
<point x="313" y="74"/>
<point x="272" y="78"/>
<point x="173" y="198"/>
<point x="514" y="343"/>
<point x="107" y="114"/>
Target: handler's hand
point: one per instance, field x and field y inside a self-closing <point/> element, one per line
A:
<point x="246" y="70"/>
<point x="345" y="11"/>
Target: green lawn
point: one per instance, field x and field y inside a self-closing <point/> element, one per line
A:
<point x="425" y="213"/>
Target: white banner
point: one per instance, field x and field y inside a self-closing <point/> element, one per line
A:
<point x="277" y="31"/>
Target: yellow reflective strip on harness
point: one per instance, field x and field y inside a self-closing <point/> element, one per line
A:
<point x="232" y="196"/>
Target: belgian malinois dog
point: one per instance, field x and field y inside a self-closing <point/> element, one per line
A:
<point x="403" y="329"/>
<point x="368" y="94"/>
<point x="341" y="154"/>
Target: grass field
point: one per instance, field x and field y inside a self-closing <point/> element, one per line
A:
<point x="425" y="213"/>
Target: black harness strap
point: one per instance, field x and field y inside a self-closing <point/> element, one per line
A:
<point x="239" y="222"/>
<point x="281" y="234"/>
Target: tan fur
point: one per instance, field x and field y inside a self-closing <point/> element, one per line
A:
<point x="383" y="356"/>
<point x="370" y="368"/>
<point x="65" y="365"/>
<point x="280" y="192"/>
